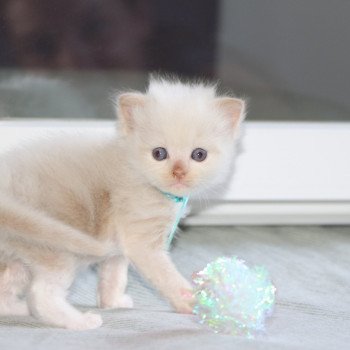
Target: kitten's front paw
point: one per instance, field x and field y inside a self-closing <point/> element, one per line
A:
<point x="185" y="304"/>
<point x="184" y="307"/>
<point x="123" y="301"/>
<point x="87" y="321"/>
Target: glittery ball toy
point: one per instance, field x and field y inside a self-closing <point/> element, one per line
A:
<point x="233" y="298"/>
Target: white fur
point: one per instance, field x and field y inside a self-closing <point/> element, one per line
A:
<point x="67" y="202"/>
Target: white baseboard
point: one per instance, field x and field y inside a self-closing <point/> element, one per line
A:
<point x="293" y="161"/>
<point x="272" y="213"/>
<point x="289" y="173"/>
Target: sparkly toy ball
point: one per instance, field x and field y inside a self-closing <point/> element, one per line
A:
<point x="233" y="298"/>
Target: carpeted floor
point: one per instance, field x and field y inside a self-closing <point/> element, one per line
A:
<point x="309" y="265"/>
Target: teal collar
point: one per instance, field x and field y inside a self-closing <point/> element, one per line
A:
<point x="175" y="199"/>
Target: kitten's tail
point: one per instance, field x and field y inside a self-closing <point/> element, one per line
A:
<point x="34" y="226"/>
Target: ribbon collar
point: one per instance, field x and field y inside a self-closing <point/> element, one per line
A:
<point x="175" y="199"/>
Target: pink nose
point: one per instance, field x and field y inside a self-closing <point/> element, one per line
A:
<point x="179" y="172"/>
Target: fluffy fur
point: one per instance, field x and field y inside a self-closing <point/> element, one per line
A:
<point x="68" y="202"/>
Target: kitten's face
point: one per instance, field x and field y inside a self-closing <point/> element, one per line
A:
<point x="184" y="146"/>
<point x="182" y="157"/>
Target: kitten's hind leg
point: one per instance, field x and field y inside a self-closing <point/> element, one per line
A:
<point x="113" y="281"/>
<point x="13" y="281"/>
<point x="47" y="299"/>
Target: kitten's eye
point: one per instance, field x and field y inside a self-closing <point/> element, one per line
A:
<point x="159" y="153"/>
<point x="199" y="154"/>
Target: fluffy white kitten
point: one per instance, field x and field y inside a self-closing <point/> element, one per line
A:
<point x="65" y="203"/>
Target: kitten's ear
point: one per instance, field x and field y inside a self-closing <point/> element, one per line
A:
<point x="233" y="108"/>
<point x="128" y="105"/>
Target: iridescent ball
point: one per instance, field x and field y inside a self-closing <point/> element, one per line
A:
<point x="233" y="298"/>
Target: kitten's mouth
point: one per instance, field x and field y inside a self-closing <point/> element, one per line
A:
<point x="179" y="188"/>
<point x="179" y="185"/>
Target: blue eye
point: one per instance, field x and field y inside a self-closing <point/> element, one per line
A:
<point x="199" y="154"/>
<point x="159" y="153"/>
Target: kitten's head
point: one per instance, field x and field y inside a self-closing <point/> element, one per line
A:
<point x="180" y="136"/>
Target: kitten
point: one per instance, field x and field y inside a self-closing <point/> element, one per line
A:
<point x="67" y="203"/>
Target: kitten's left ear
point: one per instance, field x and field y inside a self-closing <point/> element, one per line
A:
<point x="129" y="104"/>
<point x="232" y="108"/>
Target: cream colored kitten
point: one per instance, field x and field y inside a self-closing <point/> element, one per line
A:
<point x="66" y="203"/>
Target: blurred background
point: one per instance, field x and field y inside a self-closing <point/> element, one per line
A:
<point x="66" y="58"/>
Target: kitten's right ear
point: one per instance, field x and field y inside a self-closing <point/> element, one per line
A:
<point x="127" y="107"/>
<point x="233" y="108"/>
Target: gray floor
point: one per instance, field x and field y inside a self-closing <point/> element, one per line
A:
<point x="309" y="266"/>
